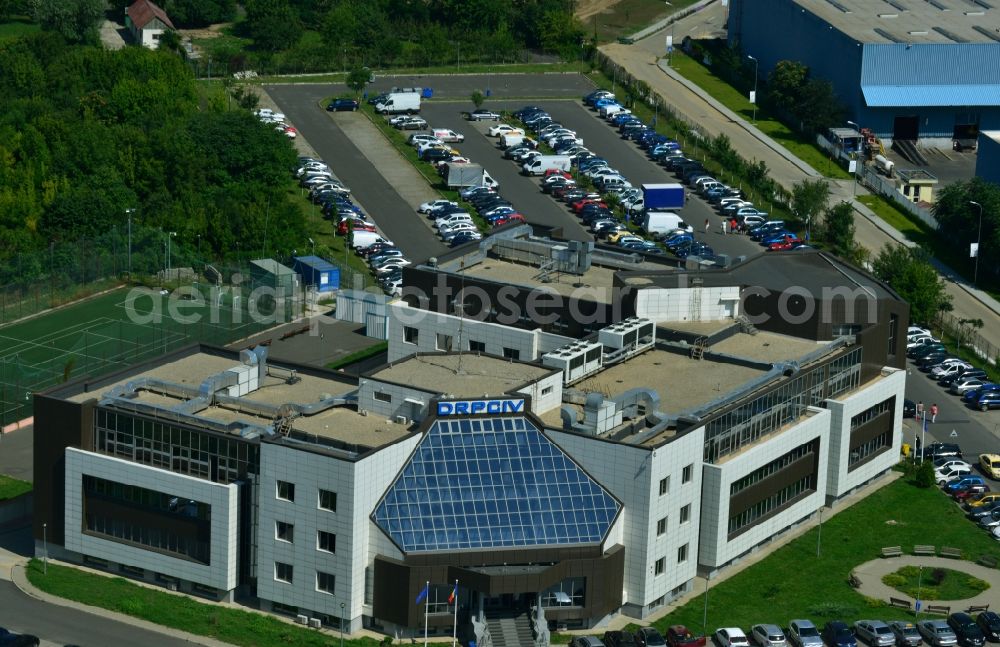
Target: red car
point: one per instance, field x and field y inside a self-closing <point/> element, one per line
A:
<point x="681" y="636"/>
<point x="971" y="492"/>
<point x="554" y="171"/>
<point x="358" y="225"/>
<point x="506" y="220"/>
<point x="580" y="204"/>
<point x="785" y="244"/>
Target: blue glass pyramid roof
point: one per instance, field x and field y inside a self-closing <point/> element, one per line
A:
<point x="492" y="483"/>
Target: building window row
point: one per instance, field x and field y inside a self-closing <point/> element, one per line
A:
<point x="774" y="466"/>
<point x="772" y="503"/>
<point x="325" y="582"/>
<point x="869" y="414"/>
<point x="876" y="445"/>
<point x="147" y="537"/>
<point x="750" y="420"/>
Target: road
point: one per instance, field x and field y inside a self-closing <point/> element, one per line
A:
<point x="394" y="216"/>
<point x="501" y="86"/>
<point x="57" y="625"/>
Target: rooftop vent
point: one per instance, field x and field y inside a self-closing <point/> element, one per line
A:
<point x="951" y="36"/>
<point x="992" y="35"/>
<point x="839" y="6"/>
<point x="935" y="3"/>
<point x="888" y="35"/>
<point x="896" y="5"/>
<point x="888" y="15"/>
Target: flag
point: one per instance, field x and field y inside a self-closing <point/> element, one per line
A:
<point x="423" y="593"/>
<point x="453" y="595"/>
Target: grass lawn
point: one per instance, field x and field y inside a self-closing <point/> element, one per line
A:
<point x="793" y="582"/>
<point x="935" y="584"/>
<point x="473" y="68"/>
<point x="626" y="17"/>
<point x="736" y="101"/>
<point x="18" y="26"/>
<point x="11" y="487"/>
<point x="234" y="626"/>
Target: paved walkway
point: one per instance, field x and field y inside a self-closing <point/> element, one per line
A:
<point x="871" y="573"/>
<point x="642" y="61"/>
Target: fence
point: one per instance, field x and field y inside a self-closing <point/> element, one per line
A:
<point x="965" y="336"/>
<point x="888" y="189"/>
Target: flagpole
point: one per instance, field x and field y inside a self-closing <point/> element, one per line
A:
<point x="454" y="629"/>
<point x="923" y="434"/>
<point x="427" y="606"/>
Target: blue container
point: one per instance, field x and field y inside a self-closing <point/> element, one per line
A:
<point x="318" y="273"/>
<point x="427" y="93"/>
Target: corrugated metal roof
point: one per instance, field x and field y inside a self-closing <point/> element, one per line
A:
<point x="927" y="64"/>
<point x="885" y="96"/>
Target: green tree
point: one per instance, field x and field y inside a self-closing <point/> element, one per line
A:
<point x="170" y="41"/>
<point x="187" y="14"/>
<point x="809" y="199"/>
<point x="272" y="24"/>
<point x="784" y="85"/>
<point x="925" y="475"/>
<point x="956" y="215"/>
<point x="357" y="79"/>
<point x="838" y="231"/>
<point x="819" y="107"/>
<point x="76" y="20"/>
<point x="909" y="272"/>
<point x="477" y="98"/>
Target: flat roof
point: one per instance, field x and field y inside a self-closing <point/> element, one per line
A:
<point x="767" y="347"/>
<point x="342" y="424"/>
<point x="910" y="21"/>
<point x="461" y="374"/>
<point x="503" y="271"/>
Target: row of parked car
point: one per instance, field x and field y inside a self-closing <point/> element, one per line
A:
<point x="959" y="630"/>
<point x="277" y="119"/>
<point x="960" y="377"/>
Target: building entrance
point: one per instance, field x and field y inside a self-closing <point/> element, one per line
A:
<point x="906" y="128"/>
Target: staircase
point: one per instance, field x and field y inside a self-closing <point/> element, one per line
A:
<point x="908" y="149"/>
<point x="510" y="629"/>
<point x="698" y="350"/>
<point x="746" y="327"/>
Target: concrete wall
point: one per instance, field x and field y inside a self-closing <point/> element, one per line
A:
<point x="688" y="304"/>
<point x="988" y="157"/>
<point x="220" y="573"/>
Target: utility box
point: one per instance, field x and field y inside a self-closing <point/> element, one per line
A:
<point x="267" y="272"/>
<point x="317" y="273"/>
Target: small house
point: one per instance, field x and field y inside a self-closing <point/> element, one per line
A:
<point x="317" y="273"/>
<point x="147" y="22"/>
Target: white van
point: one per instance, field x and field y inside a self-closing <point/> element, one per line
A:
<point x="397" y="103"/>
<point x="361" y="239"/>
<point x="612" y="183"/>
<point x="448" y="135"/>
<point x="542" y="163"/>
<point x="511" y="139"/>
<point x="661" y="222"/>
<point x="453" y="219"/>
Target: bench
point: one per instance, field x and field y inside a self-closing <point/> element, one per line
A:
<point x="900" y="603"/>
<point x="922" y="549"/>
<point x="854" y="581"/>
<point x="989" y="561"/>
<point x="947" y="551"/>
<point x="978" y="608"/>
<point x="938" y="609"/>
<point x="892" y="551"/>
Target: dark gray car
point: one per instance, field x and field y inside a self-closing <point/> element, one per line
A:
<point x="906" y="633"/>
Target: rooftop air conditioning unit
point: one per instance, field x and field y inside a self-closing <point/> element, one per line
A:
<point x="401" y="420"/>
<point x="362" y="412"/>
<point x="315" y="623"/>
<point x="635" y="333"/>
<point x="576" y="360"/>
<point x="301" y="619"/>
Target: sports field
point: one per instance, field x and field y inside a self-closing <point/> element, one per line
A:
<point x="112" y="331"/>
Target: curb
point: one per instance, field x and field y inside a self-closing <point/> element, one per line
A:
<point x="672" y="18"/>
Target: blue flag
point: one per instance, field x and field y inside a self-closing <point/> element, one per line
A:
<point x="423" y="593"/>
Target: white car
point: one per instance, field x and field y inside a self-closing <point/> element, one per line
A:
<point x="423" y="138"/>
<point x="448" y="135"/>
<point x="941" y="477"/>
<point x="427" y="206"/>
<point x="731" y="637"/>
<point x="504" y="129"/>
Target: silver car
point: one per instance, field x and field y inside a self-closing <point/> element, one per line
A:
<point x="906" y="633"/>
<point x="874" y="632"/>
<point x="937" y="633"/>
<point x="803" y="633"/>
<point x="768" y="636"/>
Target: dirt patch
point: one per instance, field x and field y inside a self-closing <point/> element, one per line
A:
<point x="212" y="31"/>
<point x="587" y="8"/>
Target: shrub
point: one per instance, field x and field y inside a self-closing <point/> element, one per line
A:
<point x="977" y="584"/>
<point x="895" y="580"/>
<point x="925" y="475"/>
<point x="938" y="575"/>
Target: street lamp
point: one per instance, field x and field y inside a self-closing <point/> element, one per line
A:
<point x="855" y="190"/>
<point x="979" y="239"/>
<point x="128" y="215"/>
<point x="920" y="575"/>
<point x="45" y="549"/>
<point x="313" y="243"/>
<point x="753" y="99"/>
<point x="171" y="235"/>
<point x="342" y="624"/>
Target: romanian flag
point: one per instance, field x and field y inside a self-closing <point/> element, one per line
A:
<point x="453" y="595"/>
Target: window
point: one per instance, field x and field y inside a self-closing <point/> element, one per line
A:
<point x="284" y="531"/>
<point x="664" y="485"/>
<point x="381" y="396"/>
<point x="774" y="466"/>
<point x="410" y="335"/>
<point x="661" y="526"/>
<point x="547" y="390"/>
<point x="772" y="504"/>
<point x="682" y="554"/>
<point x="326" y="541"/>
<point x="893" y="326"/>
<point x="477" y="346"/>
<point x="687" y="473"/>
<point x="874" y="411"/>
<point x="443" y="342"/>
<point x="325" y="582"/>
<point x="511" y="353"/>
<point x="686" y="513"/>
<point x="328" y="500"/>
<point x="659" y="566"/>
<point x="286" y="491"/>
<point x="283" y="572"/>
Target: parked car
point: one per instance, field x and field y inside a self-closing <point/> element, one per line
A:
<point x="990" y="465"/>
<point x="619" y="639"/>
<point x="681" y="636"/>
<point x="906" y="633"/>
<point x="586" y="641"/>
<point x="938" y="450"/>
<point x="649" y="637"/>
<point x="874" y="632"/>
<point x="973" y="395"/>
<point x="482" y="114"/>
<point x="985" y="500"/>
<point x="962" y="482"/>
<point x="838" y="634"/>
<point x="342" y="105"/>
<point x="766" y="635"/>
<point x="970" y="492"/>
<point x="989" y="624"/>
<point x="937" y="633"/>
<point x="948" y="474"/>
<point x="803" y="633"/>
<point x="966" y="630"/>
<point x="989" y="400"/>
<point x="731" y="637"/>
